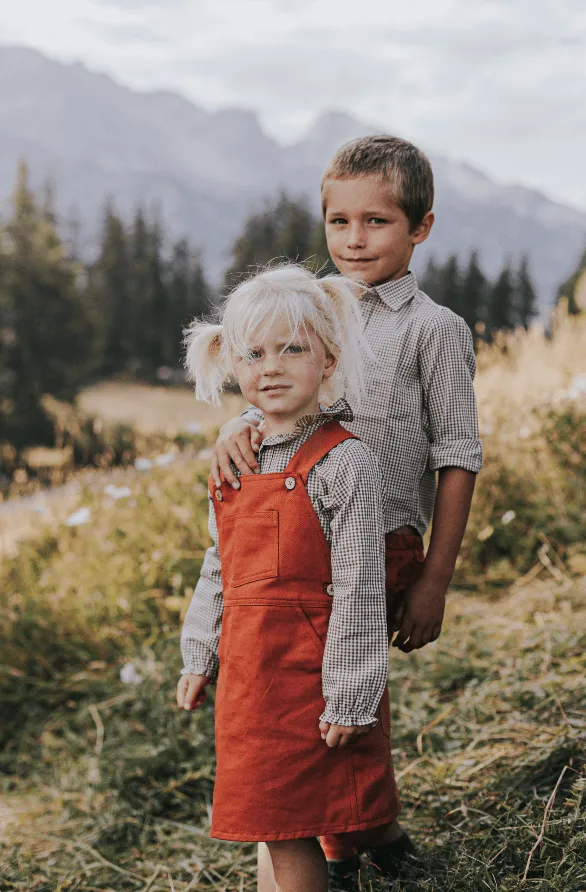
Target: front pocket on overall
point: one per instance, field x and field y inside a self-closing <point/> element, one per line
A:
<point x="250" y="547"/>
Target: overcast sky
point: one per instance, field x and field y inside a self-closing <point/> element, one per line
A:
<point x="499" y="83"/>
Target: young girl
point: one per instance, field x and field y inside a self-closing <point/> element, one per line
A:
<point x="289" y="614"/>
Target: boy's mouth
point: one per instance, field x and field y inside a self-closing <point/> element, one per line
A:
<point x="358" y="259"/>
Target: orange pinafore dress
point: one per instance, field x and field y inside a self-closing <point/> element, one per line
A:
<point x="275" y="777"/>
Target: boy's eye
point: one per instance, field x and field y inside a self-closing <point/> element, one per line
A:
<point x="337" y="220"/>
<point x="377" y="220"/>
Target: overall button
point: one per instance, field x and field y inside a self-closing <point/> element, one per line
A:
<point x="219" y="495"/>
<point x="290" y="482"/>
<point x="329" y="589"/>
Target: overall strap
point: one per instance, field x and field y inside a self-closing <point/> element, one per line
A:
<point x="319" y="444"/>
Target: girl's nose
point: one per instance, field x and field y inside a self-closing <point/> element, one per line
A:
<point x="272" y="364"/>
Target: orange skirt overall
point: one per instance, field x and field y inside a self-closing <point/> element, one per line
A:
<point x="275" y="777"/>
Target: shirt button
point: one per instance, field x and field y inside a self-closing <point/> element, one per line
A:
<point x="290" y="482"/>
<point x="219" y="495"/>
<point x="330" y="589"/>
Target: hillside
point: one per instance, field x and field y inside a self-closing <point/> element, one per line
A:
<point x="105" y="785"/>
<point x="206" y="170"/>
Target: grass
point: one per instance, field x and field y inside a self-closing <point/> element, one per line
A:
<point x="106" y="785"/>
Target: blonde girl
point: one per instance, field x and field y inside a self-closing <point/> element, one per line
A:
<point x="288" y="618"/>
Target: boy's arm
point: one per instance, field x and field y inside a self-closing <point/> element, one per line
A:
<point x="355" y="661"/>
<point x="237" y="442"/>
<point x="419" y="619"/>
<point x="447" y="367"/>
<point x="202" y="625"/>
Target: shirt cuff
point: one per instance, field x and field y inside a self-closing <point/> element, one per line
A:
<point x="210" y="671"/>
<point x="347" y="719"/>
<point x="253" y="413"/>
<point x="465" y="454"/>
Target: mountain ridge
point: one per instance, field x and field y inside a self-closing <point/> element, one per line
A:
<point x="98" y="139"/>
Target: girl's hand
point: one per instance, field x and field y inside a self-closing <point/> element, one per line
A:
<point x="190" y="691"/>
<point x="342" y="735"/>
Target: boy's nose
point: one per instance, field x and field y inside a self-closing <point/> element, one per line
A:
<point x="356" y="237"/>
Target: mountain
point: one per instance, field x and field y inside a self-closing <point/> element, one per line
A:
<point x="206" y="170"/>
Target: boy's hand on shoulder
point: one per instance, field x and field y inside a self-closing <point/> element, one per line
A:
<point x="238" y="441"/>
<point x="420" y="618"/>
<point x="342" y="735"/>
<point x="190" y="691"/>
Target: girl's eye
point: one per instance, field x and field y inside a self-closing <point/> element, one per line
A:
<point x="293" y="348"/>
<point x="337" y="220"/>
<point x="253" y="356"/>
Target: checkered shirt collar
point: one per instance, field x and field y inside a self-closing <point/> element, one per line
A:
<point x="398" y="292"/>
<point x="338" y="411"/>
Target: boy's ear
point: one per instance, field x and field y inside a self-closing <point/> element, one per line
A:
<point x="423" y="229"/>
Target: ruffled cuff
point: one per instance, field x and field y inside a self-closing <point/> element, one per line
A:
<point x="209" y="670"/>
<point x="347" y="719"/>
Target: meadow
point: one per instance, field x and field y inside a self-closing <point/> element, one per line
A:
<point x="106" y="785"/>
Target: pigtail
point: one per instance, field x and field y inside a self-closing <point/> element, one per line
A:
<point x="205" y="360"/>
<point x="344" y="295"/>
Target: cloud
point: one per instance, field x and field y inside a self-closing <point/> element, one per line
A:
<point x="500" y="84"/>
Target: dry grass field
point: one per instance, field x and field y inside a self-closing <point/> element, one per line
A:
<point x="105" y="785"/>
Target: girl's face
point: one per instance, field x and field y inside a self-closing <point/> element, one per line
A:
<point x="284" y="376"/>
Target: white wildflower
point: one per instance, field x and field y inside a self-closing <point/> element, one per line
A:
<point x="165" y="459"/>
<point x="117" y="492"/>
<point x="485" y="533"/>
<point x="507" y="517"/>
<point x="577" y="387"/>
<point x="129" y="675"/>
<point x="143" y="464"/>
<point x="78" y="518"/>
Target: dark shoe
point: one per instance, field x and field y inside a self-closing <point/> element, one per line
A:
<point x="391" y="858"/>
<point x="343" y="875"/>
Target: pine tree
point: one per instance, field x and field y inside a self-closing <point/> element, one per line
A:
<point x="190" y="295"/>
<point x="281" y="231"/>
<point x="109" y="291"/>
<point x="430" y="279"/>
<point x="449" y="285"/>
<point x="569" y="288"/>
<point x="156" y="350"/>
<point x="139" y="277"/>
<point x="501" y="303"/>
<point x="318" y="251"/>
<point x="473" y="294"/>
<point x="295" y="224"/>
<point x="45" y="329"/>
<point x="526" y="298"/>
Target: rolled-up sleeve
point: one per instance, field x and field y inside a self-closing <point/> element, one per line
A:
<point x="447" y="367"/>
<point x="253" y="414"/>
<point x="355" y="662"/>
<point x="202" y="625"/>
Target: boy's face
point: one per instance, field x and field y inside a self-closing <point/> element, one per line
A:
<point x="367" y="232"/>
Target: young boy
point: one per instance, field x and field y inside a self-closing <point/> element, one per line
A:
<point x="418" y="416"/>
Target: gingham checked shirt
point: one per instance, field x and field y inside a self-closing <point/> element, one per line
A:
<point x="344" y="488"/>
<point x="419" y="411"/>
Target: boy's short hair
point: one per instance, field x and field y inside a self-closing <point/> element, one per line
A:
<point x="405" y="167"/>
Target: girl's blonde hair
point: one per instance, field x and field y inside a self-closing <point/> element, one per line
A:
<point x="328" y="306"/>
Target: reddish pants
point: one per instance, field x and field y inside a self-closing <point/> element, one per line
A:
<point x="404" y="563"/>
